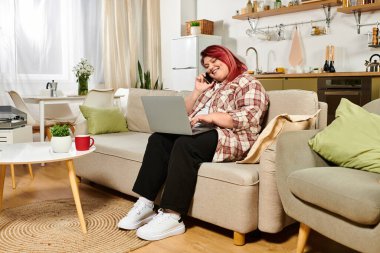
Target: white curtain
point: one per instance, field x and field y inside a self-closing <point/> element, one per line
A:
<point x="41" y="40"/>
<point x="131" y="34"/>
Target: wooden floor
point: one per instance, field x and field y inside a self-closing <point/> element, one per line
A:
<point x="51" y="182"/>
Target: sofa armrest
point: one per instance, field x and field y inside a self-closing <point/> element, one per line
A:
<point x="280" y="158"/>
<point x="272" y="217"/>
<point x="293" y="152"/>
<point x="322" y="118"/>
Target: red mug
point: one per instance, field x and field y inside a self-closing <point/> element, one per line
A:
<point x="83" y="142"/>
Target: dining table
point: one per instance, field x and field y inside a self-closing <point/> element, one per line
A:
<point x="44" y="100"/>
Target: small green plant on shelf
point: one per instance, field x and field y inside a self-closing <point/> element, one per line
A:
<point x="146" y="81"/>
<point x="60" y="130"/>
<point x="195" y="23"/>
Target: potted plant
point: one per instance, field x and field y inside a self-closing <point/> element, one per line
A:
<point x="83" y="71"/>
<point x="61" y="139"/>
<point x="146" y="81"/>
<point x="195" y="27"/>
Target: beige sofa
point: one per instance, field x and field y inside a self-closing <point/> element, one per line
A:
<point x="239" y="197"/>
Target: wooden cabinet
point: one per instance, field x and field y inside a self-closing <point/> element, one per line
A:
<point x="375" y="88"/>
<point x="300" y="83"/>
<point x="290" y="83"/>
<point x="311" y="83"/>
<point x="272" y="84"/>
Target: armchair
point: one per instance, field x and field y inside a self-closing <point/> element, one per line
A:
<point x="340" y="203"/>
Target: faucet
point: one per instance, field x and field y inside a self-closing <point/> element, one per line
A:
<point x="258" y="71"/>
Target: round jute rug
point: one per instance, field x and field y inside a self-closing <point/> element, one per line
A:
<point x="53" y="226"/>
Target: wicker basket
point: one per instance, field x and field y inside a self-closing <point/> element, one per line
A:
<point x="207" y="26"/>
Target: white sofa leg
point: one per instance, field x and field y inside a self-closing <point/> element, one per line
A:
<point x="239" y="238"/>
<point x="303" y="234"/>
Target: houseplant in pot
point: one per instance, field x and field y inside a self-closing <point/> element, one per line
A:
<point x="83" y="70"/>
<point x="195" y="27"/>
<point x="61" y="139"/>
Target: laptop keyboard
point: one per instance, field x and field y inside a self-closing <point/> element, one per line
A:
<point x="201" y="127"/>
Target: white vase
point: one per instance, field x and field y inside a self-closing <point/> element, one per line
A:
<point x="194" y="30"/>
<point x="61" y="144"/>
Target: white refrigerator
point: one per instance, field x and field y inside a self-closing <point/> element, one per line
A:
<point x="186" y="66"/>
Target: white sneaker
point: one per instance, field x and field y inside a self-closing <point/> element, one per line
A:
<point x="163" y="225"/>
<point x="140" y="214"/>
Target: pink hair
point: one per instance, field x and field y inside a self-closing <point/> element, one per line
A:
<point x="235" y="66"/>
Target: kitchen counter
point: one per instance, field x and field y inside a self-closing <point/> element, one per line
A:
<point x="316" y="75"/>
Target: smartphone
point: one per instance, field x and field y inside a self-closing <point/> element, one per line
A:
<point x="208" y="78"/>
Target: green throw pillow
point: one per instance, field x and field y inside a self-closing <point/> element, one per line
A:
<point x="352" y="140"/>
<point x="104" y="120"/>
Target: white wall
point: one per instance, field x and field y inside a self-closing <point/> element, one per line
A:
<point x="351" y="48"/>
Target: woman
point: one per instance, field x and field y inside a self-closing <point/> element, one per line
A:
<point x="236" y="104"/>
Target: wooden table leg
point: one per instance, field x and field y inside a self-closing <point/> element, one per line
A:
<point x="75" y="190"/>
<point x="30" y="170"/>
<point x="13" y="176"/>
<point x="2" y="177"/>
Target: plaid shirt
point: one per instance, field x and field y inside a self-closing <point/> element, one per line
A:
<point x="246" y="101"/>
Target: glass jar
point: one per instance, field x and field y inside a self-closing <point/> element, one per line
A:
<point x="277" y="4"/>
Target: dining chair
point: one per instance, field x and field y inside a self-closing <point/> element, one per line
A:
<point x="123" y="100"/>
<point x="49" y="122"/>
<point x="95" y="98"/>
<point x="59" y="112"/>
<point x="21" y="105"/>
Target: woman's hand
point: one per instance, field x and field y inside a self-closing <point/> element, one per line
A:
<point x="205" y="118"/>
<point x="220" y="119"/>
<point x="201" y="85"/>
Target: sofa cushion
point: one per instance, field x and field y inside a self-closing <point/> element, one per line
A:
<point x="352" y="140"/>
<point x="296" y="102"/>
<point x="135" y="114"/>
<point x="353" y="194"/>
<point x="104" y="120"/>
<point x="239" y="174"/>
<point x="131" y="145"/>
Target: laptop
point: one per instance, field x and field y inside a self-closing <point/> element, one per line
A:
<point x="167" y="114"/>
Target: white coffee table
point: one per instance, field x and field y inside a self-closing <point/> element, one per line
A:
<point x="40" y="152"/>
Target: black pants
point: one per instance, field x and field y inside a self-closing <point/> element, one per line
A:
<point x="174" y="160"/>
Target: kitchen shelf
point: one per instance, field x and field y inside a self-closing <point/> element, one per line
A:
<point x="290" y="9"/>
<point x="360" y="8"/>
<point x="357" y="11"/>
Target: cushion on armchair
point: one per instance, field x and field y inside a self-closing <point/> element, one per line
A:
<point x="352" y="140"/>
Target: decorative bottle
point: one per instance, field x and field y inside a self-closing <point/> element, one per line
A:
<point x="249" y="6"/>
<point x="326" y="66"/>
